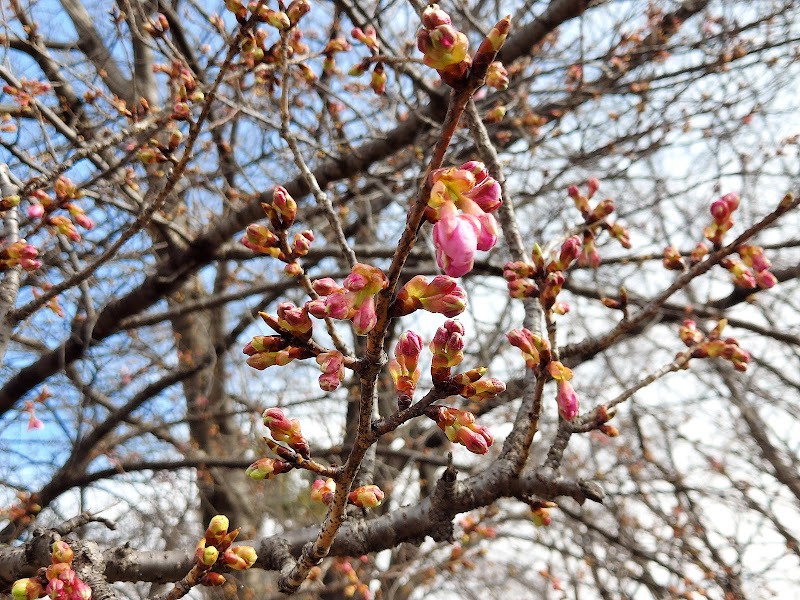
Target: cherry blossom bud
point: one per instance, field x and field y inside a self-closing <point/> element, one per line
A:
<point x="325" y="286"/>
<point x="35" y="211"/>
<point x="65" y="227"/>
<point x="551" y="289"/>
<point x="689" y="333"/>
<point x="698" y="254"/>
<point x="366" y="496"/>
<point x="240" y="558"/>
<point x="378" y="80"/>
<point x="206" y="555"/>
<point x="27" y="589"/>
<point x="471" y="376"/>
<point x="673" y="261"/>
<point x="495" y="115"/>
<point x="497" y="36"/>
<point x="568" y="403"/>
<point x="259" y="238"/>
<point x="483" y="390"/>
<point x="9" y="202"/>
<point x="620" y="233"/>
<point x="535" y="349"/>
<point x="433" y="17"/>
<point x="407" y="351"/>
<point x="497" y="76"/>
<point x="367" y="36"/>
<point x="570" y="250"/>
<point x="323" y="491"/>
<point x="297" y="9"/>
<point x="285" y="206"/>
<point x="217" y="529"/>
<point x="765" y="279"/>
<point x="332" y="365"/>
<point x="609" y="430"/>
<point x="294" y="269"/>
<point x="212" y="579"/>
<point x="267" y="468"/>
<point x="447" y="348"/>
<point x="602" y="210"/>
<point x="61" y="553"/>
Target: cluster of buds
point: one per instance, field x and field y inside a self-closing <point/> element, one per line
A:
<point x="332" y="365"/>
<point x="24" y="94"/>
<point x="369" y="38"/>
<point x="157" y="26"/>
<point x="458" y="235"/>
<point x="323" y="490"/>
<point x="274" y="18"/>
<point x="58" y="581"/>
<point x="722" y="218"/>
<point x="753" y="270"/>
<point x="19" y="253"/>
<point x="443" y="46"/>
<point x="353" y="301"/>
<point x="447" y="348"/>
<point x="366" y="496"/>
<point x="214" y="550"/>
<point x="292" y="321"/>
<point x="460" y="427"/>
<point x="354" y="588"/>
<point x="596" y="219"/>
<point x="541" y="279"/>
<point x="282" y="212"/>
<point x="404" y="367"/>
<point x="535" y="349"/>
<point x="618" y="303"/>
<point x="268" y="350"/>
<point x="472" y="387"/>
<point x="497" y="76"/>
<point x="713" y="345"/>
<point x="43" y="206"/>
<point x="284" y="430"/>
<point x="267" y="468"/>
<point x="442" y="295"/>
<point x="540" y="512"/>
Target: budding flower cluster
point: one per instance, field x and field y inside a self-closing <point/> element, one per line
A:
<point x="267" y="468"/>
<point x="19" y="253"/>
<point x="596" y="219"/>
<point x="535" y="349"/>
<point x="58" y="581"/>
<point x="713" y="346"/>
<point x="366" y="496"/>
<point x="447" y="348"/>
<point x="753" y="270"/>
<point x="353" y="301"/>
<point x="291" y="320"/>
<point x="442" y="295"/>
<point x="214" y="549"/>
<point x="460" y="427"/>
<point x="332" y="365"/>
<point x="722" y="218"/>
<point x="323" y="491"/>
<point x="269" y="350"/>
<point x="403" y="368"/>
<point x="443" y="46"/>
<point x="458" y="235"/>
<point x="284" y="430"/>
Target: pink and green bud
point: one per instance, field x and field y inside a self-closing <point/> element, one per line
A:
<point x="302" y="242"/>
<point x="359" y="68"/>
<point x="447" y="348"/>
<point x="497" y="36"/>
<point x="259" y="238"/>
<point x="217" y="530"/>
<point x="673" y="261"/>
<point x="689" y="333"/>
<point x="535" y="349"/>
<point x="323" y="491"/>
<point x="621" y="234"/>
<point x="497" y="76"/>
<point x="267" y="468"/>
<point x="592" y="185"/>
<point x="297" y="9"/>
<point x="765" y="279"/>
<point x="338" y="44"/>
<point x="484" y="389"/>
<point x="365" y="318"/>
<point x="407" y="351"/>
<point x="468" y="377"/>
<point x="291" y="319"/>
<point x="61" y="553"/>
<point x="495" y="115"/>
<point x="366" y="496"/>
<point x="367" y="36"/>
<point x="285" y="206"/>
<point x="442" y="46"/>
<point x="602" y="210"/>
<point x="332" y="365"/>
<point x="570" y="250"/>
<point x="378" y="79"/>
<point x="325" y="286"/>
<point x="65" y="227"/>
<point x="567" y="399"/>
<point x="285" y="430"/>
<point x="551" y="289"/>
<point x="9" y="202"/>
<point x="276" y="18"/>
<point x="206" y="556"/>
<point x="742" y="275"/>
<point x="240" y="558"/>
<point x="753" y="256"/>
<point x="698" y="254"/>
<point x="27" y="589"/>
<point x="433" y="17"/>
<point x="212" y="579"/>
<point x="442" y="295"/>
<point x="558" y="371"/>
<point x="459" y="426"/>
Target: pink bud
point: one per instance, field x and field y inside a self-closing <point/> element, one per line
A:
<point x="325" y="286"/>
<point x="35" y="211"/>
<point x="567" y="399"/>
<point x="323" y="491"/>
<point x="367" y="496"/>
